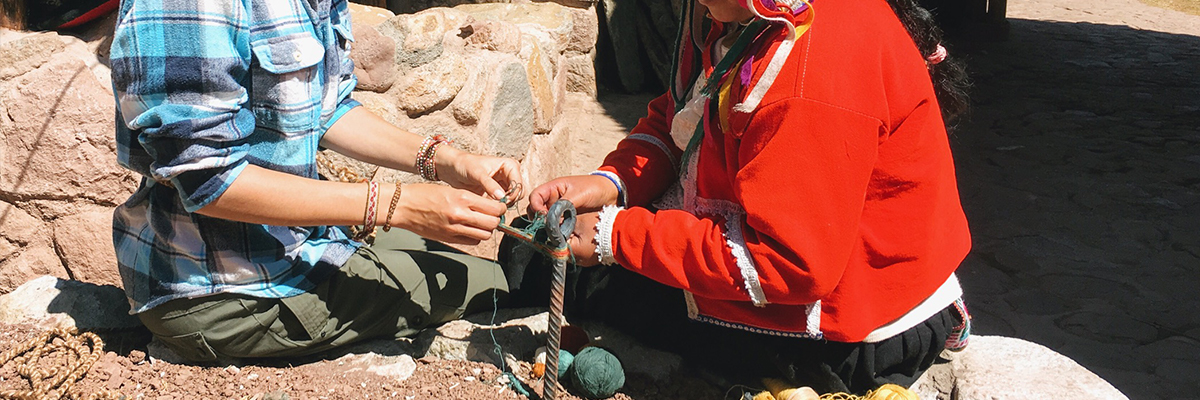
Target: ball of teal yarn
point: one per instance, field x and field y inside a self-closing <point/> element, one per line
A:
<point x="596" y="374"/>
<point x="565" y="358"/>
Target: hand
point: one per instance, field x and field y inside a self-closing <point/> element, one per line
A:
<point x="494" y="176"/>
<point x="587" y="192"/>
<point x="446" y="214"/>
<point x="583" y="240"/>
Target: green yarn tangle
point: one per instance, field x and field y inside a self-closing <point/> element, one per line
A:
<point x="565" y="358"/>
<point x="595" y="373"/>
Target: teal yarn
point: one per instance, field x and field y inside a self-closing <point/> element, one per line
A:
<point x="596" y="374"/>
<point x="565" y="358"/>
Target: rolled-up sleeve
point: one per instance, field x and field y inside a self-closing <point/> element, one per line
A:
<point x="179" y="72"/>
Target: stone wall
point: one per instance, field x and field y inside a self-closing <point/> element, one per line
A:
<point x="59" y="177"/>
<point x="490" y="76"/>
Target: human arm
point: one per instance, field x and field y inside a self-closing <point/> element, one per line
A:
<point x="362" y="135"/>
<point x="801" y="180"/>
<point x="645" y="163"/>
<point x="190" y="128"/>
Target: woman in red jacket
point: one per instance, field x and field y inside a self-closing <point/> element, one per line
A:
<point x="790" y="206"/>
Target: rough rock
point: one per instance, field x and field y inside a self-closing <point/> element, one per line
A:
<point x="580" y="74"/>
<point x="374" y="59"/>
<point x="398" y="368"/>
<point x="996" y="367"/>
<point x="510" y="126"/>
<point x="17" y="230"/>
<point x="50" y="302"/>
<point x="380" y="104"/>
<point x="624" y="43"/>
<point x="84" y="242"/>
<point x="468" y="104"/>
<point x="26" y="251"/>
<point x="657" y="30"/>
<point x="585" y="29"/>
<point x="553" y="24"/>
<point x="364" y="15"/>
<point x="32" y="261"/>
<point x="28" y="53"/>
<point x="419" y="37"/>
<point x="548" y="156"/>
<point x="537" y="70"/>
<point x="494" y="36"/>
<point x="432" y="85"/>
<point x="521" y="331"/>
<point x="57" y="137"/>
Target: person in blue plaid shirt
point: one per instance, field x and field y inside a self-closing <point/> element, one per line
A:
<point x="230" y="246"/>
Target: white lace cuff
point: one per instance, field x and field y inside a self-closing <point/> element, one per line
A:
<point x="604" y="230"/>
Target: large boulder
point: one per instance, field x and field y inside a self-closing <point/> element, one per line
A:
<point x="374" y="56"/>
<point x="420" y="37"/>
<point x="997" y="367"/>
<point x="520" y="331"/>
<point x="58" y="137"/>
<point x="364" y="15"/>
<point x="432" y="85"/>
<point x="541" y="86"/>
<point x="84" y="242"/>
<point x="49" y="302"/>
<point x="59" y="176"/>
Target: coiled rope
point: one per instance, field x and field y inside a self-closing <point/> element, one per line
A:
<point x="53" y="362"/>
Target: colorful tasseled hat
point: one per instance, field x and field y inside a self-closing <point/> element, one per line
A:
<point x="696" y="79"/>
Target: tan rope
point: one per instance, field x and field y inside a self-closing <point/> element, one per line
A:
<point x="72" y="355"/>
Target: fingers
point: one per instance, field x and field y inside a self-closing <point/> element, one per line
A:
<point x="492" y="188"/>
<point x="484" y="205"/>
<point x="543" y="196"/>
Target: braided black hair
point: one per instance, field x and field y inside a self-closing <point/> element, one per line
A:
<point x="949" y="76"/>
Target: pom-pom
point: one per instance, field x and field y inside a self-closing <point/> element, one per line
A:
<point x="596" y="374"/>
<point x="565" y="358"/>
<point x="891" y="391"/>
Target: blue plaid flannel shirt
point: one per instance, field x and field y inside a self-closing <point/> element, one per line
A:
<point x="205" y="88"/>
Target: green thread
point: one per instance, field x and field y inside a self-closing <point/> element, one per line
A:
<point x="535" y="235"/>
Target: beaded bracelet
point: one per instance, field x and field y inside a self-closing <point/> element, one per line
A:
<point x="370" y="213"/>
<point x="425" y="161"/>
<point x="387" y="222"/>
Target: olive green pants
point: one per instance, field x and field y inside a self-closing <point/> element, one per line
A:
<point x="394" y="288"/>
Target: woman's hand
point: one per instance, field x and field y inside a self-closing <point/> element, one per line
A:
<point x="583" y="240"/>
<point x="494" y="176"/>
<point x="446" y="214"/>
<point x="587" y="192"/>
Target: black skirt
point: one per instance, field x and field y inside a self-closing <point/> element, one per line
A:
<point x="656" y="314"/>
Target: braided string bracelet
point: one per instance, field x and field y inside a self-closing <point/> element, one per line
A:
<point x="387" y="222"/>
<point x="370" y="213"/>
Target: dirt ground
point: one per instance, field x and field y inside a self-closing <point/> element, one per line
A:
<point x="125" y="369"/>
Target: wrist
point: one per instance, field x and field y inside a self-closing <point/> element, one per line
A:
<point x="432" y="149"/>
<point x="613" y="191"/>
<point x="445" y="158"/>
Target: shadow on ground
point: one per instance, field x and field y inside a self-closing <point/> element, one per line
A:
<point x="1079" y="169"/>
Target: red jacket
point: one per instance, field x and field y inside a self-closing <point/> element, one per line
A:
<point x="837" y="194"/>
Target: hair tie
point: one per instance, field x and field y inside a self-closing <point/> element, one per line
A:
<point x="938" y="55"/>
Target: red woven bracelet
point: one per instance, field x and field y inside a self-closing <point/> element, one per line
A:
<point x="370" y="213"/>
